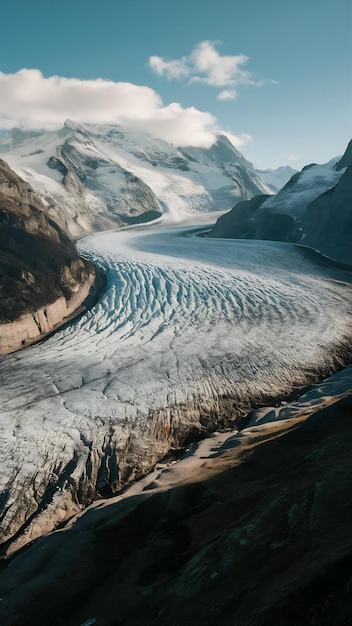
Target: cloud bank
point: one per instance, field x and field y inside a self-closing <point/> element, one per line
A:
<point x="206" y="65"/>
<point x="31" y="101"/>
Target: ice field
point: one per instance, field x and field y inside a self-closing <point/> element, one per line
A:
<point x="184" y="323"/>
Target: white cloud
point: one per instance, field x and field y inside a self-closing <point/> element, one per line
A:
<point x="239" y="141"/>
<point x="170" y="69"/>
<point x="206" y="65"/>
<point x="29" y="100"/>
<point x="217" y="70"/>
<point x="180" y="126"/>
<point x="227" y="94"/>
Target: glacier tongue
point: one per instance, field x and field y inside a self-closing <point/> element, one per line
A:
<point x="188" y="332"/>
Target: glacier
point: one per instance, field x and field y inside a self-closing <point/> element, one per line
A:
<point x="187" y="332"/>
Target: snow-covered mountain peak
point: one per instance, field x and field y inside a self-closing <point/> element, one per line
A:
<point x="276" y="178"/>
<point x="97" y="176"/>
<point x="304" y="187"/>
<point x="71" y="125"/>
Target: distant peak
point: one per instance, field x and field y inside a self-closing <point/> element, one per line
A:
<point x="17" y="136"/>
<point x="223" y="139"/>
<point x="346" y="159"/>
<point x="72" y="125"/>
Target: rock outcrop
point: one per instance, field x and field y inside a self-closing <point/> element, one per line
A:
<point x="43" y="280"/>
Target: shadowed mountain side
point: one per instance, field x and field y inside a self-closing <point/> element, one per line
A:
<point x="327" y="221"/>
<point x="314" y="208"/>
<point x="258" y="535"/>
<point x="248" y="221"/>
<point x="39" y="266"/>
<point x="346" y="159"/>
<point x="35" y="271"/>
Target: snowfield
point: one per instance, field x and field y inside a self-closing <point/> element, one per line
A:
<point x="186" y="328"/>
<point x="310" y="183"/>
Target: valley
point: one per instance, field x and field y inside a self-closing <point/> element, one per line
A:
<point x="175" y="314"/>
<point x="188" y="335"/>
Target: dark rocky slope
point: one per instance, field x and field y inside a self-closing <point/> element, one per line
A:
<point x="323" y="223"/>
<point x="43" y="280"/>
<point x="327" y="221"/>
<point x="257" y="536"/>
<point x="248" y="220"/>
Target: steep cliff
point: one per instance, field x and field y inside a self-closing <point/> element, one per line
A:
<point x="43" y="280"/>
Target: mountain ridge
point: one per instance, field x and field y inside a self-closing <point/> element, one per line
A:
<point x="312" y="209"/>
<point x="276" y="178"/>
<point x="95" y="177"/>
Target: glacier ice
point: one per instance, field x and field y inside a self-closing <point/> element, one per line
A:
<point x="186" y="330"/>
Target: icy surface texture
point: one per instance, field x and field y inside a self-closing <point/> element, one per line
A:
<point x="188" y="333"/>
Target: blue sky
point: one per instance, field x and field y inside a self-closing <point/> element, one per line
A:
<point x="293" y="92"/>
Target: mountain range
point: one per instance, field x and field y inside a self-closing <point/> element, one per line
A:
<point x="95" y="177"/>
<point x="188" y="335"/>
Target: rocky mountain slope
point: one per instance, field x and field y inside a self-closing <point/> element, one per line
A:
<point x="94" y="177"/>
<point x="314" y="208"/>
<point x="42" y="278"/>
<point x="243" y="534"/>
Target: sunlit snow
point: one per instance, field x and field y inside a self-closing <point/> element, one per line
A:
<point x="183" y="181"/>
<point x="311" y="182"/>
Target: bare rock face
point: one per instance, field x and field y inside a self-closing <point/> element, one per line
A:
<point x="42" y="278"/>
